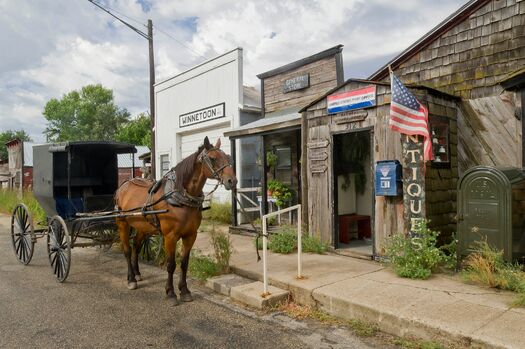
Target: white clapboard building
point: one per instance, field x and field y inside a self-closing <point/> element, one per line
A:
<point x="206" y="100"/>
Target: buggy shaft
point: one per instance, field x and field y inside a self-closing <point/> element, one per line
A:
<point x="119" y="215"/>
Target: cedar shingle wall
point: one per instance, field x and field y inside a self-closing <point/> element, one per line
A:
<point x="470" y="59"/>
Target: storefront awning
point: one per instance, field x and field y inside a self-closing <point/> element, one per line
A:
<point x="278" y="120"/>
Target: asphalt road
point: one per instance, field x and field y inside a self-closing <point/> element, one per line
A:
<point x="94" y="309"/>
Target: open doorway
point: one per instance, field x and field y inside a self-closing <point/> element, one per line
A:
<point x="353" y="193"/>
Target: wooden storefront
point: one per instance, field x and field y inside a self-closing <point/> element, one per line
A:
<point x="332" y="209"/>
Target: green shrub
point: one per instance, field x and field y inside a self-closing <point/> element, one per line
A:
<point x="222" y="248"/>
<point x="280" y="191"/>
<point x="283" y="241"/>
<point x="313" y="244"/>
<point x="219" y="212"/>
<point x="152" y="250"/>
<point x="485" y="265"/>
<point x="415" y="257"/>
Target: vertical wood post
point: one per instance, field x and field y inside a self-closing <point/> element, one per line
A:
<point x="152" y="96"/>
<point x="413" y="182"/>
<point x="234" y="190"/>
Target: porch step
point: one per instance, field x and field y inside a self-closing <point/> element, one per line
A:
<point x="252" y="295"/>
<point x="223" y="283"/>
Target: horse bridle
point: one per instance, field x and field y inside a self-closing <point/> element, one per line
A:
<point x="205" y="159"/>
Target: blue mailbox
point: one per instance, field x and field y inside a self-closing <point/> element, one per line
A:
<point x="389" y="181"/>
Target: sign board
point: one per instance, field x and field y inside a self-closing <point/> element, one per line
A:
<point x="355" y="99"/>
<point x="413" y="182"/>
<point x="350" y="116"/>
<point x="296" y="83"/>
<point x="202" y="115"/>
<point x="317" y="155"/>
<point x="318" y="144"/>
<point x="318" y="168"/>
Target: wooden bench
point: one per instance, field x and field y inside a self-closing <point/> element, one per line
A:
<point x="363" y="227"/>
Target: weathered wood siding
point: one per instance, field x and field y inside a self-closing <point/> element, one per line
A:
<point x="388" y="217"/>
<point x="323" y="77"/>
<point x="489" y="132"/>
<point x="472" y="57"/>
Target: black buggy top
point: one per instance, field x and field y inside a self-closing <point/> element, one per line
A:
<point x="72" y="177"/>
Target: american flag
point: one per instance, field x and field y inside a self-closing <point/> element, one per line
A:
<point x="408" y="116"/>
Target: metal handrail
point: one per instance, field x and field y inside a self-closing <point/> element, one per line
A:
<point x="265" y="244"/>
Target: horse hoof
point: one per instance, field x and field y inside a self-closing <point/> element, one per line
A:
<point x="174" y="301"/>
<point x="138" y="277"/>
<point x="186" y="297"/>
<point x="132" y="285"/>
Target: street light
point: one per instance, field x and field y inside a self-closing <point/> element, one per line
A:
<point x="149" y="37"/>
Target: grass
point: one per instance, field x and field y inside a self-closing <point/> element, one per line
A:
<point x="414" y="343"/>
<point x="313" y="244"/>
<point x="219" y="212"/>
<point x="9" y="199"/>
<point x="486" y="266"/>
<point x="285" y="241"/>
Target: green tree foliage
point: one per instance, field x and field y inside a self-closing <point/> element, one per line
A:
<point x="137" y="131"/>
<point x="88" y="114"/>
<point x="8" y="135"/>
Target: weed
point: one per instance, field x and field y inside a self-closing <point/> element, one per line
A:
<point x="415" y="257"/>
<point x="486" y="266"/>
<point x="152" y="250"/>
<point x="202" y="267"/>
<point x="313" y="244"/>
<point x="219" y="212"/>
<point x="362" y="328"/>
<point x="222" y="248"/>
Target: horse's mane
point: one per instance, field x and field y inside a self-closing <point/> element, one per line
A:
<point x="184" y="169"/>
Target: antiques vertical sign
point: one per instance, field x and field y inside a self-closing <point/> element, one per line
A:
<point x="413" y="182"/>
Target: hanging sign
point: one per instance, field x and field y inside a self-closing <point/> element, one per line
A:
<point x="323" y="143"/>
<point x="350" y="116"/>
<point x="355" y="99"/>
<point x="317" y="155"/>
<point x="202" y="115"/>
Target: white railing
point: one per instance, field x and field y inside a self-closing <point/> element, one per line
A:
<point x="265" y="244"/>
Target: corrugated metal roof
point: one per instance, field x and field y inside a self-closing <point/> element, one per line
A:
<point x="126" y="161"/>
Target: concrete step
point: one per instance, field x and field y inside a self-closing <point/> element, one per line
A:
<point x="223" y="283"/>
<point x="252" y="295"/>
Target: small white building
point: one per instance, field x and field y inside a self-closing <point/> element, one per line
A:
<point x="206" y="100"/>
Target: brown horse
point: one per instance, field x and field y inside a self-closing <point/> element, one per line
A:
<point x="184" y="183"/>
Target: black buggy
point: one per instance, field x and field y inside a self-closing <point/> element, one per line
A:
<point x="75" y="183"/>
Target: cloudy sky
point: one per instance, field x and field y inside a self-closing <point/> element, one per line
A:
<point x="50" y="47"/>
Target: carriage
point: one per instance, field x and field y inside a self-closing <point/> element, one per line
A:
<point x="74" y="182"/>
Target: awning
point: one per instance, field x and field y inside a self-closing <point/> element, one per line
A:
<point x="278" y="120"/>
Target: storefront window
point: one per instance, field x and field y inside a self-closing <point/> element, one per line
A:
<point x="284" y="157"/>
<point x="440" y="133"/>
<point x="164" y="164"/>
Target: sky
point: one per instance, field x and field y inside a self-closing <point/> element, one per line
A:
<point x="51" y="47"/>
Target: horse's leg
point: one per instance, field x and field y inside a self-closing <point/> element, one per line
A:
<point x="187" y="241"/>
<point x="170" y="244"/>
<point x="124" y="229"/>
<point x="137" y="244"/>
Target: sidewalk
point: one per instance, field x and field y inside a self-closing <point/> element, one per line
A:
<point x="441" y="308"/>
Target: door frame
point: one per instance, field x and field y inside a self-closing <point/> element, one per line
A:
<point x="333" y="179"/>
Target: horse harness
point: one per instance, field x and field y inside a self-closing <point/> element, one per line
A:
<point x="180" y="198"/>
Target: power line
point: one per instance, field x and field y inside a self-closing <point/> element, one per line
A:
<point x="179" y="42"/>
<point x="138" y="31"/>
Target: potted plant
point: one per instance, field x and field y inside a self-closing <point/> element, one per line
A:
<point x="279" y="191"/>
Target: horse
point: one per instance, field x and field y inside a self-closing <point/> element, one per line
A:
<point x="182" y="197"/>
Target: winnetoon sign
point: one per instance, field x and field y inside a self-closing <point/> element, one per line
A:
<point x="202" y="115"/>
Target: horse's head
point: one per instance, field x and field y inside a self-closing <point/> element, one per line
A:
<point x="217" y="164"/>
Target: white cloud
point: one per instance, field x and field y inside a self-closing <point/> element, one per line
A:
<point x="58" y="46"/>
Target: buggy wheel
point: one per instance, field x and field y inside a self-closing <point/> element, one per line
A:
<point x="59" y="248"/>
<point x="22" y="234"/>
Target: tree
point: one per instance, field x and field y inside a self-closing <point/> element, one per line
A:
<point x="8" y="135"/>
<point x="137" y="131"/>
<point x="88" y="114"/>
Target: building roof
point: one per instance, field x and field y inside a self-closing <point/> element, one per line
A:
<point x="126" y="161"/>
<point x="320" y="55"/>
<point x="514" y="81"/>
<point x="452" y="20"/>
<point x="280" y="119"/>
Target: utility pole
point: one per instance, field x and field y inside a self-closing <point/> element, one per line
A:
<point x="149" y="37"/>
<point x="152" y="97"/>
